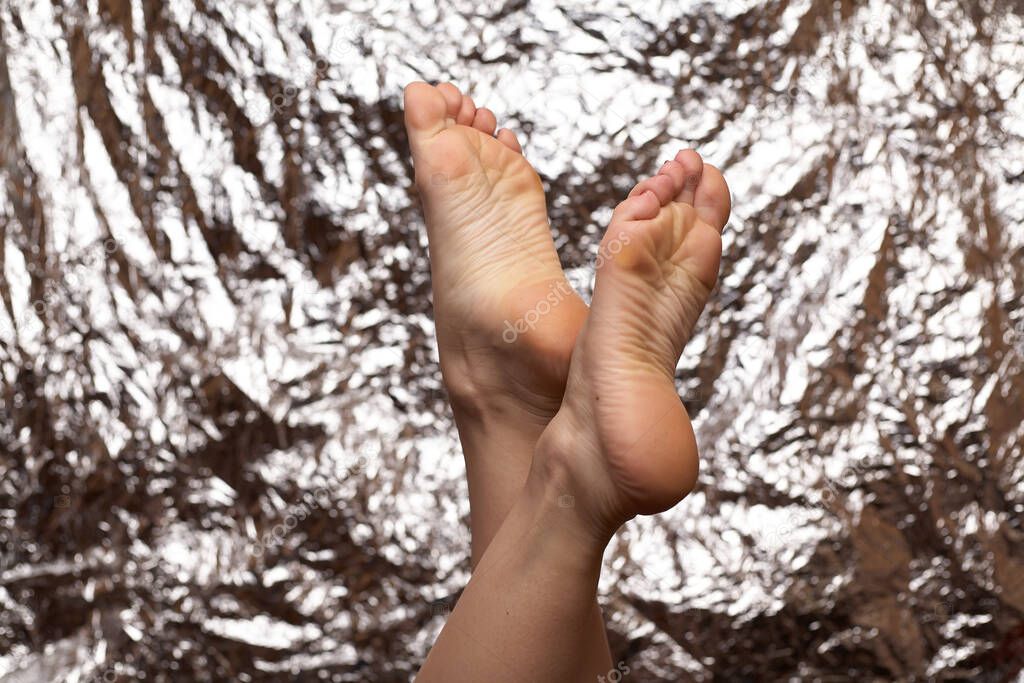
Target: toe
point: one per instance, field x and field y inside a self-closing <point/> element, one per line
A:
<point x="453" y="99"/>
<point x="509" y="139"/>
<point x="467" y="111"/>
<point x="485" y="121"/>
<point x="674" y="170"/>
<point x="693" y="167"/>
<point x="661" y="185"/>
<point x="711" y="198"/>
<point x="425" y="110"/>
<point x="642" y="206"/>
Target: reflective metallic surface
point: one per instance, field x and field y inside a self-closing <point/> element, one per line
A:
<point x="225" y="452"/>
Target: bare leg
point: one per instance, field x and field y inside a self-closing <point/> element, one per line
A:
<point x="522" y="616"/>
<point x="495" y="499"/>
<point x="506" y="317"/>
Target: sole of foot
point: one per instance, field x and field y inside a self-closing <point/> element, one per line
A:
<point x="622" y="443"/>
<point x="506" y="316"/>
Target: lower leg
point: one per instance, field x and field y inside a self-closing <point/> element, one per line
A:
<point x="499" y="449"/>
<point x="525" y="614"/>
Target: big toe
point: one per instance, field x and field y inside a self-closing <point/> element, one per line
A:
<point x="711" y="198"/>
<point x="426" y="109"/>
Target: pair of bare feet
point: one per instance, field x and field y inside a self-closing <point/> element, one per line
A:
<point x="568" y="416"/>
<point x="517" y="344"/>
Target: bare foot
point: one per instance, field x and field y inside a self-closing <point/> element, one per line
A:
<point x="622" y="444"/>
<point x="506" y="316"/>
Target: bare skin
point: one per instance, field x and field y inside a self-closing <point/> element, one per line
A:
<point x="620" y="443"/>
<point x="492" y="262"/>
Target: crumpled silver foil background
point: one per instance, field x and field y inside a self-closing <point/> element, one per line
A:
<point x="225" y="451"/>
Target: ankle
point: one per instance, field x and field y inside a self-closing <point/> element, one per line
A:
<point x="561" y="514"/>
<point x="518" y="353"/>
<point x="485" y="386"/>
<point x="565" y="474"/>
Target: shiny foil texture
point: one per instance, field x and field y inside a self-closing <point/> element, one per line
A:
<point x="225" y="448"/>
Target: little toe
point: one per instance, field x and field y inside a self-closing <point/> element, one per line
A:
<point x="661" y="185"/>
<point x="485" y="121"/>
<point x="693" y="167"/>
<point x="711" y="199"/>
<point x="509" y="139"/>
<point x="467" y="111"/>
<point x="453" y="99"/>
<point x="639" y="207"/>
